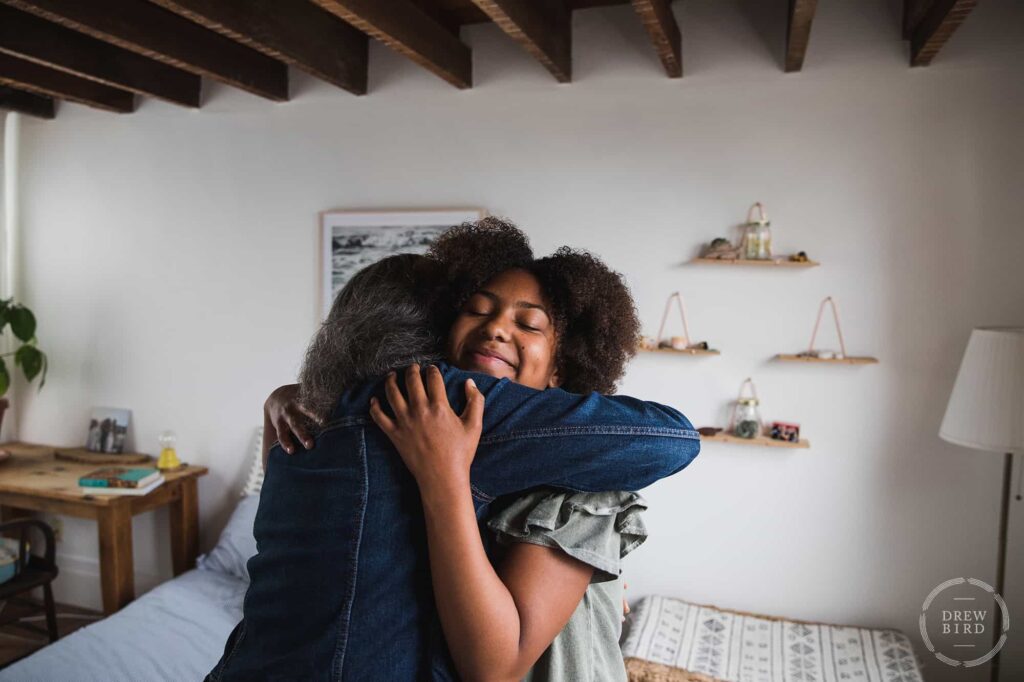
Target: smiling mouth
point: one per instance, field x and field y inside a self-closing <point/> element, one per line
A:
<point x="486" y="359"/>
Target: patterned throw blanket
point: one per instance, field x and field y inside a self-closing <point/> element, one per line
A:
<point x="670" y="640"/>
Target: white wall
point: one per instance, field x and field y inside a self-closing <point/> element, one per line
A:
<point x="169" y="256"/>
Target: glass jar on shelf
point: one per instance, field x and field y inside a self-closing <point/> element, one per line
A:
<point x="757" y="235"/>
<point x="747" y="421"/>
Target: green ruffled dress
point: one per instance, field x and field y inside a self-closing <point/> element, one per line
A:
<point x="597" y="529"/>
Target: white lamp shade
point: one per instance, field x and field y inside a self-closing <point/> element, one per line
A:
<point x="986" y="408"/>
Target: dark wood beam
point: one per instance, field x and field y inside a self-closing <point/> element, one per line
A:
<point x="913" y="10"/>
<point x="798" y="32"/>
<point x="543" y="28"/>
<point x="936" y="26"/>
<point x="41" y="80"/>
<point x="40" y="41"/>
<point x="407" y="29"/>
<point x="295" y="33"/>
<point x="26" y="103"/>
<point x="151" y="31"/>
<point x="661" y="26"/>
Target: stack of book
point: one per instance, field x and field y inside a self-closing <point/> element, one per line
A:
<point x="120" y="481"/>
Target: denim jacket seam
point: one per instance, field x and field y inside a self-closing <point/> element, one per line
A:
<point x="479" y="494"/>
<point x="607" y="430"/>
<point x="344" y="631"/>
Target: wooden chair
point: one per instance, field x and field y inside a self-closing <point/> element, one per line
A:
<point x="37" y="571"/>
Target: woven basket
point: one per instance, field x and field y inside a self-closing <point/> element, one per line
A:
<point x="640" y="670"/>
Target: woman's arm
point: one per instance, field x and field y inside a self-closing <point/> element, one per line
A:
<point x="497" y="624"/>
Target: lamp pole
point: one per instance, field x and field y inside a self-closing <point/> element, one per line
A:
<point x="1004" y="519"/>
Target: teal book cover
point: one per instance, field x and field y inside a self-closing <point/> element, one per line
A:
<point x="118" y="477"/>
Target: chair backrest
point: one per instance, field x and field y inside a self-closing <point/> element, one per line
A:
<point x="22" y="526"/>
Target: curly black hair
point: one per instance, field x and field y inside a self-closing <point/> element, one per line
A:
<point x="595" y="319"/>
<point x="593" y="311"/>
<point x="472" y="253"/>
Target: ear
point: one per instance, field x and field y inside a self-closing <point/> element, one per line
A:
<point x="555" y="381"/>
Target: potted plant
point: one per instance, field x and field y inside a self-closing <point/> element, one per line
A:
<point x="27" y="356"/>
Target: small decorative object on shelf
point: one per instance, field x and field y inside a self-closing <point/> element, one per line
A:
<point x="757" y="235"/>
<point x="813" y="354"/>
<point x="168" y="456"/>
<point x="721" y="248"/>
<point x="746" y="418"/>
<point x="675" y="344"/>
<point x="746" y="428"/>
<point x="755" y="247"/>
<point x="785" y="431"/>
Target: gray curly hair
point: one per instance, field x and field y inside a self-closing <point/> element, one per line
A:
<point x="397" y="311"/>
<point x="382" y="319"/>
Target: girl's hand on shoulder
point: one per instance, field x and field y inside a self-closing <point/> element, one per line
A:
<point x="289" y="420"/>
<point x="436" y="444"/>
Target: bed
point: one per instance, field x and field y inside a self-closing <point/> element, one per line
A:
<point x="671" y="640"/>
<point x="174" y="632"/>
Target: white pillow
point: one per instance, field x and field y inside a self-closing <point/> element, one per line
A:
<point x="236" y="543"/>
<point x="255" y="481"/>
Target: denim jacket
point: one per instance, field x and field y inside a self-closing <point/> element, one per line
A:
<point x="340" y="587"/>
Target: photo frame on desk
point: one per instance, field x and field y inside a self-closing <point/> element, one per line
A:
<point x="349" y="240"/>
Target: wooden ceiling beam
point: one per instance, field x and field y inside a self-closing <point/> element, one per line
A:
<point x="295" y="33"/>
<point x="661" y="26"/>
<point x="26" y="103"/>
<point x="23" y="35"/>
<point x="41" y="80"/>
<point x="410" y="31"/>
<point x="543" y="28"/>
<point x="937" y="24"/>
<point x="798" y="32"/>
<point x="913" y="10"/>
<point x="151" y="31"/>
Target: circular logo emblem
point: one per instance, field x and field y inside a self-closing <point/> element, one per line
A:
<point x="957" y="619"/>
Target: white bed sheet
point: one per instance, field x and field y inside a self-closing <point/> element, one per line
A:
<point x="175" y="632"/>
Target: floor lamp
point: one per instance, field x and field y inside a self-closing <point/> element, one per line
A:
<point x="986" y="412"/>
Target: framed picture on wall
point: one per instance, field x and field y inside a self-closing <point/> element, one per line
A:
<point x="351" y="240"/>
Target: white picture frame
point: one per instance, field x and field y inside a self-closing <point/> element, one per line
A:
<point x="349" y="240"/>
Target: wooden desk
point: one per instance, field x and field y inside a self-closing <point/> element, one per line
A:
<point x="34" y="480"/>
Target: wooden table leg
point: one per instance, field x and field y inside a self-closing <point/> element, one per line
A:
<point x="117" y="570"/>
<point x="184" y="513"/>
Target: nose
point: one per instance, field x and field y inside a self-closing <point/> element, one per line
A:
<point x="497" y="328"/>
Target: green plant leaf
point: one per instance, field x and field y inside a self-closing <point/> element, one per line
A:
<point x="30" y="359"/>
<point x="5" y="378"/>
<point x="23" y="322"/>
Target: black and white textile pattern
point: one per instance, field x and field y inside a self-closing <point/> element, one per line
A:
<point x="740" y="647"/>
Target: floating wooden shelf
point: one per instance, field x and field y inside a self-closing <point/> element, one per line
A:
<point x="780" y="262"/>
<point x="686" y="351"/>
<point x="764" y="441"/>
<point x="848" y="360"/>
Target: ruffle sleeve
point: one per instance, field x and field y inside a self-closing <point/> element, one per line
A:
<point x="595" y="528"/>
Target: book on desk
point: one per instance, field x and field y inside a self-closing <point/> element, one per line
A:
<point x="120" y="481"/>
